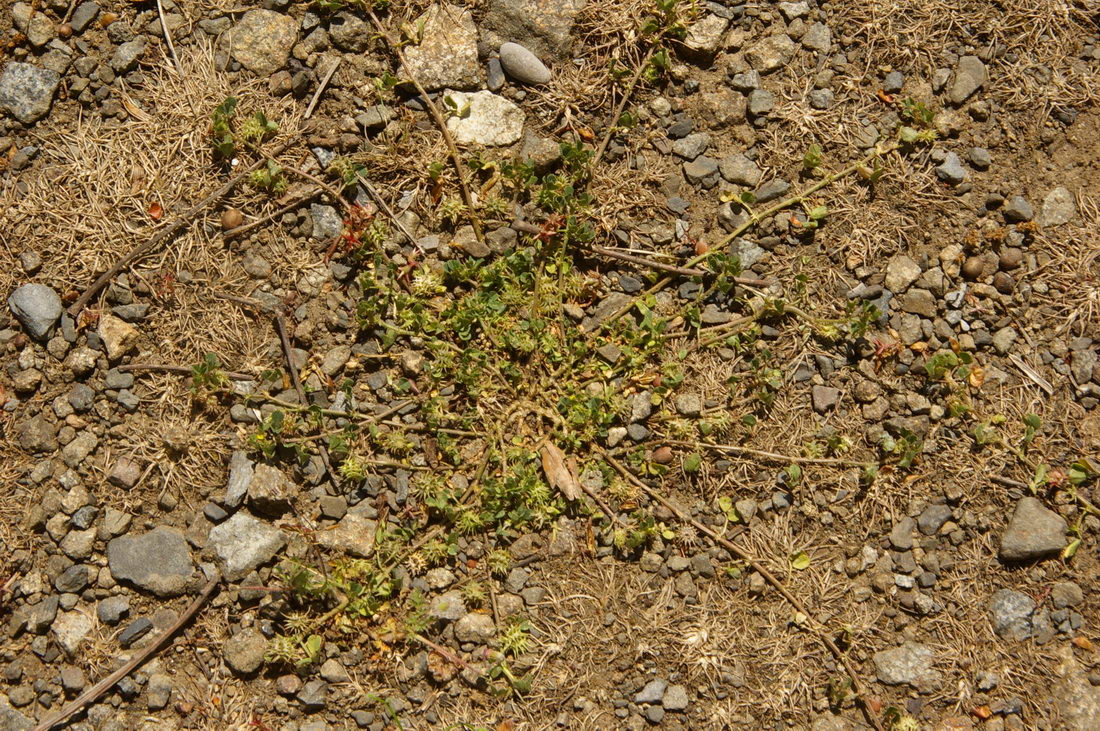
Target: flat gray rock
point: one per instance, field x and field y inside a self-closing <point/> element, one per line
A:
<point x="262" y="40"/>
<point x="970" y="75"/>
<point x="243" y="543"/>
<point x="522" y="65"/>
<point x="542" y="26"/>
<point x="1015" y="617"/>
<point x="908" y="664"/>
<point x="26" y="91"/>
<point x="37" y="307"/>
<point x="446" y="57"/>
<point x="1034" y="532"/>
<point x="157" y="561"/>
<point x="1059" y="208"/>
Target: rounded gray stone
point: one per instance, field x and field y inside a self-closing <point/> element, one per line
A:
<point x="522" y="65"/>
<point x="36" y="306"/>
<point x="157" y="561"/>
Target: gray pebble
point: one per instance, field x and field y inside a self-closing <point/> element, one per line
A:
<point x="522" y="65"/>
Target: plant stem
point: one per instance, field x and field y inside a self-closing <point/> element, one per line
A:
<point x="756" y="218"/>
<point x="441" y="123"/>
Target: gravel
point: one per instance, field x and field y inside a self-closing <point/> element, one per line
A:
<point x="970" y="75"/>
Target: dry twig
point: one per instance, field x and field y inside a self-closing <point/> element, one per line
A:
<point x="89" y="696"/>
<point x="164" y="234"/>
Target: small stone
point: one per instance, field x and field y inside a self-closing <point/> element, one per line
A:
<point x="354" y="534"/>
<point x="487" y="119"/>
<point x="740" y="170"/>
<point x="1014" y="616"/>
<point x="909" y="664"/>
<point x="135" y="631"/>
<point x="36" y="306"/>
<point x="327" y="223"/>
<point x="333" y="672"/>
<point x="244" y="651"/>
<point x="818" y="37"/>
<point x="932" y="518"/>
<point x="111" y="610"/>
<point x="893" y="82"/>
<point x="820" y="98"/>
<point x="126" y="55"/>
<point x="1059" y="207"/>
<point x="243" y="543"/>
<point x="689" y="404"/>
<point x="288" y="684"/>
<point x="158" y="691"/>
<point x="970" y="75"/>
<point x="980" y="158"/>
<point x="691" y="146"/>
<point x="1034" y="532"/>
<point x="824" y="398"/>
<point x="1003" y="340"/>
<point x="771" y="190"/>
<point x="125" y="473"/>
<point x="313" y="696"/>
<point x="446" y="56"/>
<point x="704" y="37"/>
<point x="448" y="607"/>
<point x="241" y="470"/>
<point x="72" y="580"/>
<point x="1018" y="209"/>
<point x="951" y="170"/>
<point x="702" y="171"/>
<point x="1066" y="594"/>
<point x="119" y="337"/>
<point x="72" y="679"/>
<point x="262" y="41"/>
<point x="901" y="272"/>
<point x="27" y="91"/>
<point x="269" y="491"/>
<point x="653" y="692"/>
<point x="70" y="630"/>
<point x="770" y="53"/>
<point x="158" y="561"/>
<point x="83" y="16"/>
<point x="761" y="102"/>
<point x="522" y="65"/>
<point x="675" y="698"/>
<point x="475" y="628"/>
<point x="610" y="352"/>
<point x="494" y="75"/>
<point x="75" y="452"/>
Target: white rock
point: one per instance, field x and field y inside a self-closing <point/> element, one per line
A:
<point x="484" y="119"/>
<point x="69" y="631"/>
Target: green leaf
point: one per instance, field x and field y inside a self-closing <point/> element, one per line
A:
<point x="800" y="561"/>
<point x="692" y="463"/>
<point x="1069" y="551"/>
<point x="818" y="213"/>
<point x="794" y="474"/>
<point x="908" y="135"/>
<point x="812" y="158"/>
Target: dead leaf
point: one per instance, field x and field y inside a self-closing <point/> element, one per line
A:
<point x="557" y="473"/>
<point x="1083" y="643"/>
<point x="156" y="211"/>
